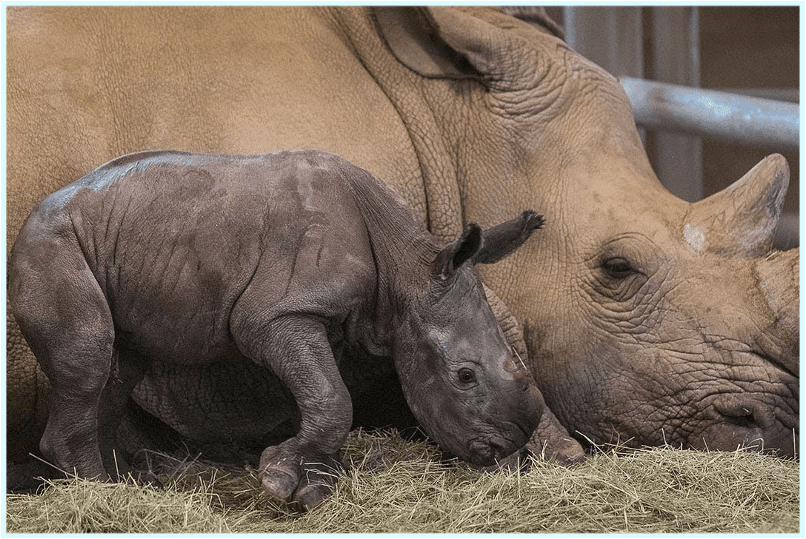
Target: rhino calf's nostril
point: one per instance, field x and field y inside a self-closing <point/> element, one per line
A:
<point x="499" y="446"/>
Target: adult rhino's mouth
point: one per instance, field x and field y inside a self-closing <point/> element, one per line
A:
<point x="753" y="405"/>
<point x="752" y="424"/>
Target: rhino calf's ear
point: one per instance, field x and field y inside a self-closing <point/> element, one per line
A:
<point x="457" y="252"/>
<point x="501" y="240"/>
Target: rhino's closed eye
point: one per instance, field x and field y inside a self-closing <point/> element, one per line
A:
<point x="618" y="268"/>
<point x="466" y="376"/>
<point x="619" y="279"/>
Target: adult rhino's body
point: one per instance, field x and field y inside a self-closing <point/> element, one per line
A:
<point x="647" y="318"/>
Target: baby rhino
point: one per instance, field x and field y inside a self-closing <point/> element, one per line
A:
<point x="165" y="262"/>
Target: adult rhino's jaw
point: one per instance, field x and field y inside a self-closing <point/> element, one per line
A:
<point x="751" y="404"/>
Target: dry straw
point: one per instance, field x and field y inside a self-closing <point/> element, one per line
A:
<point x="399" y="486"/>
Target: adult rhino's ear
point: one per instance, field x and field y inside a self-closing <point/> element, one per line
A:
<point x="414" y="38"/>
<point x="457" y="252"/>
<point x="536" y="16"/>
<point x="501" y="240"/>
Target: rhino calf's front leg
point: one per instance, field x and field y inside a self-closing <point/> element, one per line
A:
<point x="302" y="469"/>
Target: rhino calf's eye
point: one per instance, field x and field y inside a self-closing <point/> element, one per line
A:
<point x="467" y="376"/>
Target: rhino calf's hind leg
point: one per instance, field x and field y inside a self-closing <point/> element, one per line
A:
<point x="296" y="349"/>
<point x="65" y="318"/>
<point x="128" y="368"/>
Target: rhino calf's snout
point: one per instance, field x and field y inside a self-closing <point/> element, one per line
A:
<point x="526" y="406"/>
<point x="531" y="402"/>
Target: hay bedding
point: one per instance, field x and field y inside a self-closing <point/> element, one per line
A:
<point x="401" y="486"/>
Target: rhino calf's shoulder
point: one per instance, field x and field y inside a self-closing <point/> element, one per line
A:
<point x="174" y="259"/>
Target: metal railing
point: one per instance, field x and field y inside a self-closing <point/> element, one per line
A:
<point x="734" y="118"/>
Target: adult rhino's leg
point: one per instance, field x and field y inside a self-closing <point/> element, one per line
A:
<point x="66" y="320"/>
<point x="296" y="350"/>
<point x="551" y="440"/>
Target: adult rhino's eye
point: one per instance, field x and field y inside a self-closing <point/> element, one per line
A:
<point x="466" y="376"/>
<point x="619" y="280"/>
<point x="618" y="268"/>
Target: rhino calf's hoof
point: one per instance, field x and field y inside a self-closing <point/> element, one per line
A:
<point x="293" y="478"/>
<point x="148" y="478"/>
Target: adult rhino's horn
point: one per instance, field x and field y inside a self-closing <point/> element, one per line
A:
<point x="740" y="221"/>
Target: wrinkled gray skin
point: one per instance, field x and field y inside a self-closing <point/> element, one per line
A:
<point x="166" y="261"/>
<point x="647" y="319"/>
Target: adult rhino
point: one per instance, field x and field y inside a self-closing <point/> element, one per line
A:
<point x="647" y="319"/>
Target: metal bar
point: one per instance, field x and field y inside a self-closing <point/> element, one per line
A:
<point x="791" y="95"/>
<point x="729" y="117"/>
<point x="675" y="37"/>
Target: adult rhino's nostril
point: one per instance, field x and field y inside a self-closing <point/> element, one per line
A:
<point x="753" y="425"/>
<point x="744" y="421"/>
<point x="742" y="413"/>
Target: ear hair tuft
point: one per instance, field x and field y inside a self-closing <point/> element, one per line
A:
<point x="457" y="252"/>
<point x="501" y="240"/>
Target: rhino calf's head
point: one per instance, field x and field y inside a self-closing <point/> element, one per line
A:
<point x="460" y="377"/>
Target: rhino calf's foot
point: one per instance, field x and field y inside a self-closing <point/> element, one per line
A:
<point x="289" y="476"/>
<point x="147" y="478"/>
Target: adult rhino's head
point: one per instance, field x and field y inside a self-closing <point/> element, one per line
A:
<point x="647" y="318"/>
<point x="460" y="378"/>
<point x="677" y="323"/>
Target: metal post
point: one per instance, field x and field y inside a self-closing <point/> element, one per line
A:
<point x="610" y="37"/>
<point x="678" y="159"/>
